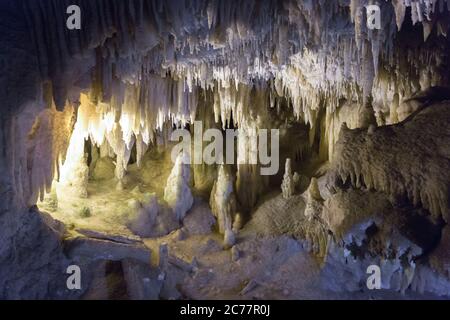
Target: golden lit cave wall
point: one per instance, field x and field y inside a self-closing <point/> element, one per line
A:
<point x="40" y="138"/>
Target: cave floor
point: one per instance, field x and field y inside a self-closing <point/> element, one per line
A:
<point x="107" y="207"/>
<point x="262" y="265"/>
<point x="258" y="267"/>
<point x="268" y="268"/>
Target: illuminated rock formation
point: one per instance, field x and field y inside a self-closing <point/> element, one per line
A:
<point x="288" y="185"/>
<point x="223" y="204"/>
<point x="177" y="192"/>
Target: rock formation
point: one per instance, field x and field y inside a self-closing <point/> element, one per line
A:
<point x="223" y="204"/>
<point x="288" y="185"/>
<point x="177" y="192"/>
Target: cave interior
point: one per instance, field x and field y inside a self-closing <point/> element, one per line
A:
<point x="338" y="158"/>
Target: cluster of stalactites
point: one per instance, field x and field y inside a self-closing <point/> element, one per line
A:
<point x="134" y="114"/>
<point x="151" y="58"/>
<point x="208" y="40"/>
<point x="425" y="12"/>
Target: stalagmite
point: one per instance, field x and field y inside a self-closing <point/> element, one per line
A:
<point x="177" y="192"/>
<point x="223" y="204"/>
<point x="288" y="185"/>
<point x="313" y="200"/>
<point x="75" y="171"/>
